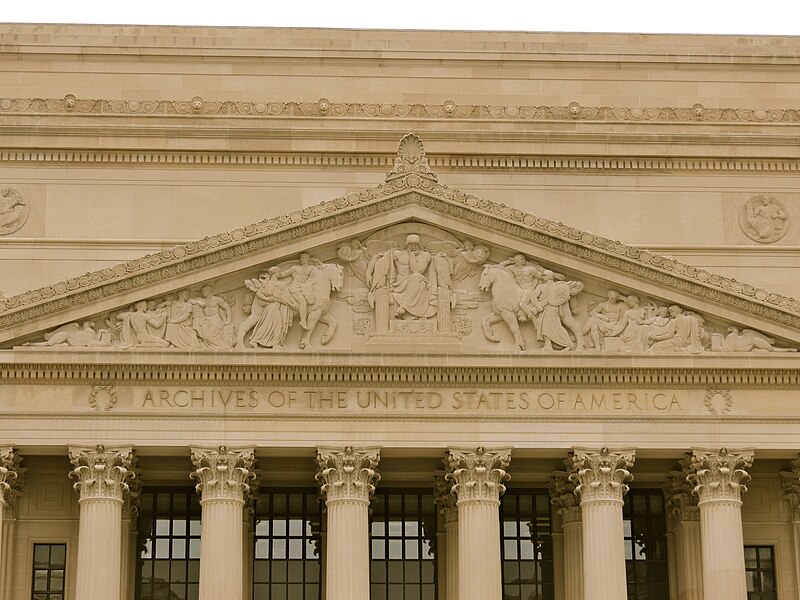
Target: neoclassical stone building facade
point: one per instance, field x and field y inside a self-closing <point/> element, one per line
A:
<point x="306" y="314"/>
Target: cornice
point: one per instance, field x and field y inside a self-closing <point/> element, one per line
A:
<point x="381" y="161"/>
<point x="437" y="374"/>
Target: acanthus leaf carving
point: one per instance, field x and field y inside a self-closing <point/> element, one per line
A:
<point x="102" y="472"/>
<point x="601" y="475"/>
<point x="348" y="473"/>
<point x="444" y="497"/>
<point x="12" y="479"/>
<point x="563" y="497"/>
<point x="720" y="475"/>
<point x="478" y="474"/>
<point x="681" y="502"/>
<point x="222" y="472"/>
<point x="790" y="483"/>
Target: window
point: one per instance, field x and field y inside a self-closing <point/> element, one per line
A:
<point x="527" y="548"/>
<point x="646" y="545"/>
<point x="169" y="545"/>
<point x="49" y="563"/>
<point x="403" y="535"/>
<point x="759" y="565"/>
<point x="287" y="546"/>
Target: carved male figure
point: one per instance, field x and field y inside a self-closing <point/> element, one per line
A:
<point x="528" y="276"/>
<point x="78" y="336"/>
<point x="353" y="254"/>
<point x="180" y="332"/>
<point x="134" y="330"/>
<point x="603" y="319"/>
<point x="682" y="333"/>
<point x="631" y="328"/>
<point x="408" y="281"/>
<point x="299" y="287"/>
<point x="214" y="318"/>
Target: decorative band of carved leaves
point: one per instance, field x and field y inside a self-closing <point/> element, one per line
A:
<point x="399" y="192"/>
<point x="323" y="107"/>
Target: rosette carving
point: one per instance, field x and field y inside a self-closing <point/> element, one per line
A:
<point x="348" y="473"/>
<point x="102" y="472"/>
<point x="478" y="474"/>
<point x="563" y="498"/>
<point x="720" y="475"/>
<point x="601" y="475"/>
<point x="681" y="502"/>
<point x="223" y="473"/>
<point x="444" y="497"/>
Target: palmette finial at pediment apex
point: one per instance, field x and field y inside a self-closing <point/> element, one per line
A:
<point x="411" y="160"/>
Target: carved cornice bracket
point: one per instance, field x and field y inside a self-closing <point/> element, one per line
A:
<point x="790" y="482"/>
<point x="720" y="475"/>
<point x="348" y="473"/>
<point x="444" y="497"/>
<point x="601" y="475"/>
<point x="223" y="473"/>
<point x="563" y="498"/>
<point x="102" y="472"/>
<point x="478" y="474"/>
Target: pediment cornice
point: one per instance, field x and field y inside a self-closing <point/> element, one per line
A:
<point x="404" y="196"/>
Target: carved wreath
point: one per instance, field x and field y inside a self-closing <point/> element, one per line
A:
<point x="709" y="402"/>
<point x="112" y="397"/>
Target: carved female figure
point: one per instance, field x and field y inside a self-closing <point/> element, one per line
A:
<point x="276" y="314"/>
<point x="179" y="331"/>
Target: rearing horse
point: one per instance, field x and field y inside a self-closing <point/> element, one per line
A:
<point x="325" y="279"/>
<point x="506" y="295"/>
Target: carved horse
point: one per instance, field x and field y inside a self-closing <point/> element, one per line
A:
<point x="325" y="279"/>
<point x="506" y="295"/>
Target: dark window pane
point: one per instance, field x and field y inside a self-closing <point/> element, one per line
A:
<point x="645" y="545"/>
<point x="526" y="544"/>
<point x="760" y="572"/>
<point x="49" y="562"/>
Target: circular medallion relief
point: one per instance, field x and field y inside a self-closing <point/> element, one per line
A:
<point x="763" y="219"/>
<point x="14" y="210"/>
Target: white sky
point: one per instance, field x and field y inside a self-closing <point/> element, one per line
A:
<point x="780" y="17"/>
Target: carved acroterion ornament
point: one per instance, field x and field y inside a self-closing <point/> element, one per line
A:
<point x="101" y="472"/>
<point x="348" y="473"/>
<point x="478" y="474"/>
<point x="223" y="473"/>
<point x="602" y="475"/>
<point x="720" y="475"/>
<point x="411" y="160"/>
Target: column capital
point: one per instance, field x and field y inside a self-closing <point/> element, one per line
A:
<point x="222" y="472"/>
<point x="601" y="475"/>
<point x="681" y="503"/>
<point x="348" y="473"/>
<point x="12" y="478"/>
<point x="478" y="474"/>
<point x="720" y="475"/>
<point x="101" y="472"/>
<point x="790" y="482"/>
<point x="444" y="497"/>
<point x="563" y="498"/>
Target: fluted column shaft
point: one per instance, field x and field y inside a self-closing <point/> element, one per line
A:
<point x="347" y="477"/>
<point x="600" y="477"/>
<point x="567" y="509"/>
<point x="447" y="554"/>
<point x="478" y="477"/>
<point x="684" y="521"/>
<point x="224" y="475"/>
<point x="718" y="478"/>
<point x="101" y="477"/>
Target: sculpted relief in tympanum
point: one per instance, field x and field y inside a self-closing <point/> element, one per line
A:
<point x="407" y="288"/>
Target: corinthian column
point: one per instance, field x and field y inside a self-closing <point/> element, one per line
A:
<point x="565" y="503"/>
<point x="101" y="476"/>
<point x="683" y="518"/>
<point x="223" y="481"/>
<point x="478" y="477"/>
<point x="447" y="555"/>
<point x="347" y="479"/>
<point x="718" y="477"/>
<point x="600" y="477"/>
<point x="790" y="481"/>
<point x="10" y="484"/>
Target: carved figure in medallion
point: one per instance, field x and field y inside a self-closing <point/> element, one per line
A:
<point x="14" y="211"/>
<point x="763" y="219"/>
<point x="748" y="340"/>
<point x="300" y="286"/>
<point x="76" y="336"/>
<point x="134" y="331"/>
<point x="179" y="331"/>
<point x="272" y="312"/>
<point x="603" y="319"/>
<point x="555" y="321"/>
<point x="506" y="295"/>
<point x="683" y="333"/>
<point x="212" y="320"/>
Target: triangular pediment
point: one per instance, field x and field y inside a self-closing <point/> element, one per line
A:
<point x="407" y="266"/>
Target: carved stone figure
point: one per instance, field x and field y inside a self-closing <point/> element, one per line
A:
<point x="555" y="321"/>
<point x="763" y="219"/>
<point x="14" y="211"/>
<point x="506" y="295"/>
<point x="300" y="286"/>
<point x="274" y="313"/>
<point x="632" y="329"/>
<point x="681" y="334"/>
<point x="134" y="331"/>
<point x="603" y="319"/>
<point x="179" y="331"/>
<point x="354" y="255"/>
<point x="748" y="340"/>
<point x="212" y="319"/>
<point x="76" y="336"/>
<point x="528" y="276"/>
<point x="405" y="271"/>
